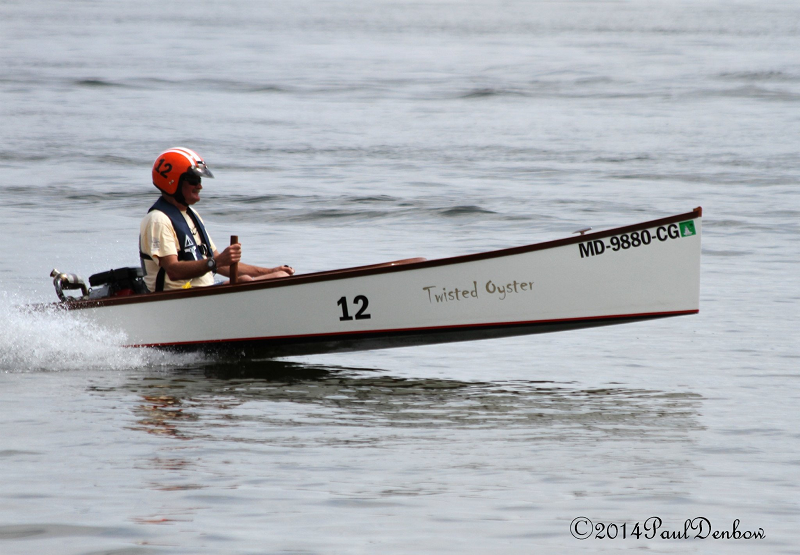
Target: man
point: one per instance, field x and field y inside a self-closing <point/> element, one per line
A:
<point x="174" y="247"/>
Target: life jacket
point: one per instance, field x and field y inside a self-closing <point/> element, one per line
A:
<point x="189" y="250"/>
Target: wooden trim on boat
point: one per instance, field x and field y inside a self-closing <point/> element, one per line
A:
<point x="399" y="266"/>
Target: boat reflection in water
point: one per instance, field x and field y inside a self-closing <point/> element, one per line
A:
<point x="279" y="396"/>
<point x="313" y="444"/>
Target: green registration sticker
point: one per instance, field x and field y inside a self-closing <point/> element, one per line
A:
<point x="687" y="229"/>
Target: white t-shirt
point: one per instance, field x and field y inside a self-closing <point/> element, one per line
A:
<point x="157" y="238"/>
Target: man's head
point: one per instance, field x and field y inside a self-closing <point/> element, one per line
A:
<point x="177" y="173"/>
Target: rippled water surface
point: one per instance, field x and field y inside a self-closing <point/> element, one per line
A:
<point x="346" y="133"/>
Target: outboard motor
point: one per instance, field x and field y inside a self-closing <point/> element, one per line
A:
<point x="65" y="282"/>
<point x="113" y="283"/>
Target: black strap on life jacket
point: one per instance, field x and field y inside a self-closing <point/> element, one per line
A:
<point x="187" y="249"/>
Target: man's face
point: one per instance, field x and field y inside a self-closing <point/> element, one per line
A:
<point x="191" y="192"/>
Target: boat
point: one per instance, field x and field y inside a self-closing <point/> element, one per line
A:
<point x="626" y="274"/>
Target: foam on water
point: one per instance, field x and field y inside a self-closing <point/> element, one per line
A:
<point x="49" y="339"/>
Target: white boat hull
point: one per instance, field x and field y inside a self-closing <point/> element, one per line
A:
<point x="645" y="271"/>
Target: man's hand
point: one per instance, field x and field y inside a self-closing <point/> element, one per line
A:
<point x="230" y="255"/>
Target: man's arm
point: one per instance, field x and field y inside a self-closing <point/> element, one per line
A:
<point x="188" y="269"/>
<point x="254" y="272"/>
<point x="257" y="272"/>
<point x="179" y="270"/>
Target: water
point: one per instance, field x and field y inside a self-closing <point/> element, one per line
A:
<point x="346" y="133"/>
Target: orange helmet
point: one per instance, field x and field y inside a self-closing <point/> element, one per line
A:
<point x="172" y="164"/>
